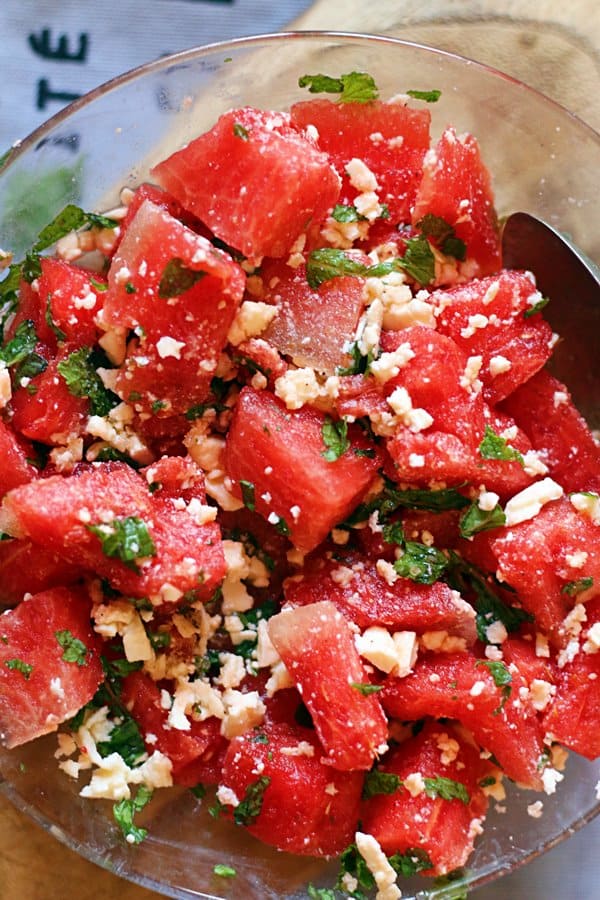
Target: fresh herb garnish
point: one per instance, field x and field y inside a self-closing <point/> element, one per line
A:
<point x="532" y="310"/>
<point x="360" y="363"/>
<point x="354" y="87"/>
<point x="572" y="588"/>
<point x="420" y="563"/>
<point x="126" y="740"/>
<point x="410" y="862"/>
<point x="199" y="791"/>
<point x="177" y="278"/>
<point x="428" y="96"/>
<point x="352" y="863"/>
<point x="71" y="218"/>
<point x="446" y="789"/>
<point x="502" y="679"/>
<point x="249" y="808"/>
<point x="248" y="495"/>
<point x="327" y="263"/>
<point x="74" y="650"/>
<point x="365" y="688"/>
<point x="346" y="213"/>
<point x="495" y="447"/>
<point x="224" y="871"/>
<point x="442" y="233"/>
<point x="316" y="893"/>
<point x="58" y="332"/>
<point x="377" y="782"/>
<point x="240" y="132"/>
<point x="335" y="438"/>
<point x="18" y="665"/>
<point x="126" y="539"/>
<point x="124" y="812"/>
<point x="82" y="380"/>
<point x="476" y="519"/>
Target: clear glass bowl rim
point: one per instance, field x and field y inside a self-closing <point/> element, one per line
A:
<point x="21" y="146"/>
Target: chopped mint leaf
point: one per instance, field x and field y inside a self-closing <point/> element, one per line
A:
<point x="31" y="267"/>
<point x="428" y="96"/>
<point x="18" y="665"/>
<point x="124" y="812"/>
<point x="82" y="380"/>
<point x="74" y="650"/>
<point x="58" y="332"/>
<point x="119" y="668"/>
<point x="454" y="246"/>
<point x="260" y="738"/>
<point x="434" y="501"/>
<point x="393" y="533"/>
<point x="352" y="863"/>
<point x="316" y="893"/>
<point x="240" y="132"/>
<point x="335" y="438"/>
<point x="418" y="260"/>
<point x="446" y="789"/>
<point x="21" y="345"/>
<point x="365" y="688"/>
<point x="528" y="313"/>
<point x="71" y="218"/>
<point x="410" y="862"/>
<point x="98" y="221"/>
<point x="126" y="539"/>
<point x="467" y="579"/>
<point x="342" y="213"/>
<point x="420" y="563"/>
<point x="355" y="87"/>
<point x="495" y="447"/>
<point x="199" y="791"/>
<point x="359" y="365"/>
<point x="572" y="588"/>
<point x="249" y="808"/>
<point x="488" y="781"/>
<point x="159" y="639"/>
<point x="327" y="263"/>
<point x="499" y="672"/>
<point x="177" y="278"/>
<point x="99" y="286"/>
<point x="476" y="519"/>
<point x="442" y="233"/>
<point x="248" y="496"/>
<point x="377" y="782"/>
<point x="124" y="739"/>
<point x="224" y="871"/>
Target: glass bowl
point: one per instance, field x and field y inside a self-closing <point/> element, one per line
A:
<point x="543" y="160"/>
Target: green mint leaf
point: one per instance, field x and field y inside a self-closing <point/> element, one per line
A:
<point x="120" y="668"/>
<point x="343" y="214"/>
<point x="71" y="218"/>
<point x="495" y="447"/>
<point x="359" y="365"/>
<point x="418" y="260"/>
<point x="126" y="539"/>
<point x="31" y="267"/>
<point x="58" y="332"/>
<point x="352" y="863"/>
<point x="124" y="812"/>
<point x="446" y="789"/>
<point x="428" y="96"/>
<point x="82" y="380"/>
<point x="476" y="519"/>
<point x="18" y="665"/>
<point x="249" y="809"/>
<point x="434" y="501"/>
<point x="502" y="679"/>
<point x="365" y="688"/>
<point x="74" y="650"/>
<point x="100" y="286"/>
<point x="177" y="278"/>
<point x="21" y="345"/>
<point x="248" y="495"/>
<point x="528" y="313"/>
<point x="411" y="862"/>
<point x="393" y="533"/>
<point x="377" y="782"/>
<point x="454" y="246"/>
<point x="126" y="740"/>
<point x="327" y="263"/>
<point x="335" y="438"/>
<point x="435" y="227"/>
<point x="355" y="87"/>
<point x="467" y="579"/>
<point x="316" y="893"/>
<point x="199" y="791"/>
<point x="224" y="871"/>
<point x="159" y="639"/>
<point x="240" y="132"/>
<point x="32" y="365"/>
<point x="98" y="221"/>
<point x="572" y="588"/>
<point x="420" y="563"/>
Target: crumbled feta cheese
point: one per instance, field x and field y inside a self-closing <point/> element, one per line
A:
<point x="588" y="504"/>
<point x="168" y="346"/>
<point x="395" y="654"/>
<point x="496" y="633"/>
<point x="414" y="784"/>
<point x="449" y="748"/>
<point x="535" y="810"/>
<point x="252" y="318"/>
<point x="550" y="778"/>
<point x="540" y="693"/>
<point x="577" y="560"/>
<point x="476" y="322"/>
<point x="297" y="387"/>
<point x="487" y="501"/>
<point x="498" y="365"/>
<point x="5" y="385"/>
<point x="302" y="748"/>
<point x="242" y="712"/>
<point x="361" y="176"/>
<point x="389" y="364"/>
<point x="379" y="866"/>
<point x="528" y="502"/>
<point x="592" y="644"/>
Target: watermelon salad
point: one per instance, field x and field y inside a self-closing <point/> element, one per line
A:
<point x="293" y="513"/>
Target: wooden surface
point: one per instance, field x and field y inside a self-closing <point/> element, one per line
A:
<point x="551" y="45"/>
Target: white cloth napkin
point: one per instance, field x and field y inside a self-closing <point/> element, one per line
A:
<point x="52" y="52"/>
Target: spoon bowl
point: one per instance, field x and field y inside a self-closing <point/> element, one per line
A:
<point x="571" y="281"/>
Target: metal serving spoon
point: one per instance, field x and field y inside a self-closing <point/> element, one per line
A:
<point x="572" y="282"/>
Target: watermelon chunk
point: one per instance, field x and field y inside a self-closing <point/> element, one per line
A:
<point x="187" y="557"/>
<point x="15" y="467"/>
<point x="180" y="294"/>
<point x="254" y="180"/>
<point x="28" y="568"/>
<point x="389" y="138"/>
<point x="39" y="688"/>
<point x="456" y="187"/>
<point x="280" y="454"/>
<point x="318" y="815"/>
<point x="317" y="648"/>
<point x="72" y="298"/>
<point x="439" y="827"/>
<point x="501" y="722"/>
